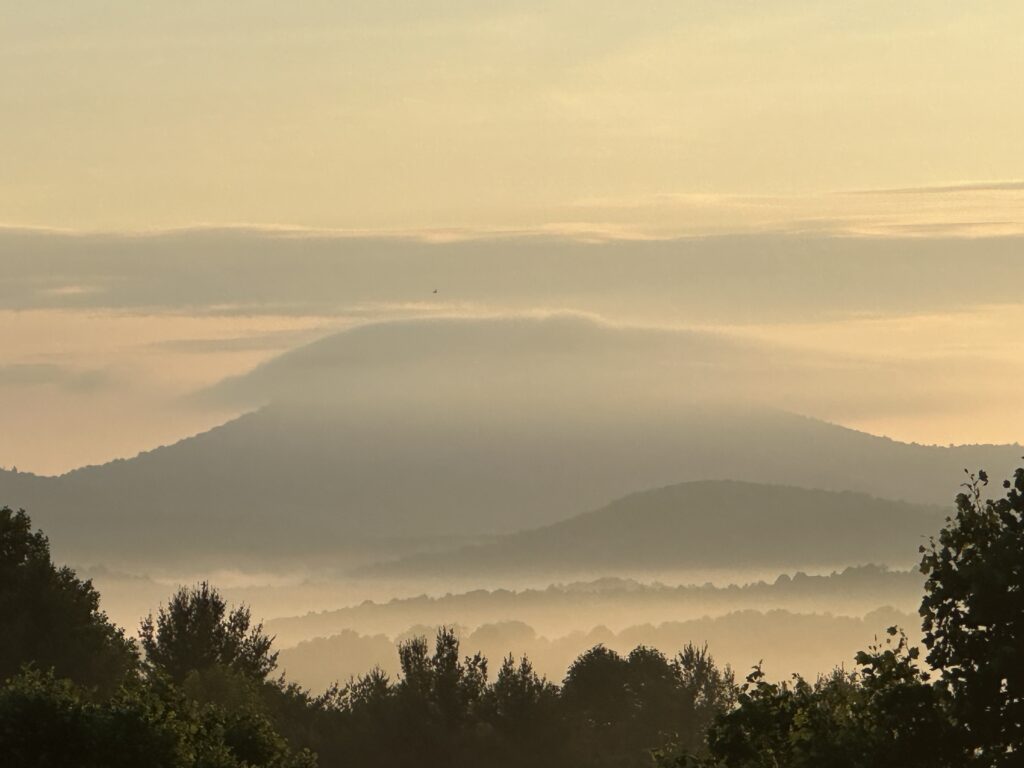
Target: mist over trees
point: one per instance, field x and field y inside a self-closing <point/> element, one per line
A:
<point x="203" y="692"/>
<point x="964" y="711"/>
<point x="806" y="643"/>
<point x="615" y="603"/>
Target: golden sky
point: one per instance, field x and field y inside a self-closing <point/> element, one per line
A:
<point x="160" y="162"/>
<point x="661" y="117"/>
<point x="106" y="339"/>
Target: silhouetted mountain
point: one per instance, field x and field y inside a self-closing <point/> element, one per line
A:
<point x="378" y="437"/>
<point x="283" y="482"/>
<point x="703" y="524"/>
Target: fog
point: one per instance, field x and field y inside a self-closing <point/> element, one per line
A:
<point x="785" y="643"/>
<point x="548" y="452"/>
<point x="794" y="622"/>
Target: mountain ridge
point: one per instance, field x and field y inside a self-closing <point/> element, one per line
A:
<point x="698" y="524"/>
<point x="283" y="481"/>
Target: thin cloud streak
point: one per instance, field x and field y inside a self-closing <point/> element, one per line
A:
<point x="964" y="209"/>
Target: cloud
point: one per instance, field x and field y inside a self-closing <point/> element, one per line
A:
<point x="177" y="311"/>
<point x="549" y="363"/>
<point x="758" y="277"/>
<point x="536" y="361"/>
<point x="968" y="210"/>
<point x="69" y="290"/>
<point x="971" y="186"/>
<point x="258" y="342"/>
<point x="64" y="377"/>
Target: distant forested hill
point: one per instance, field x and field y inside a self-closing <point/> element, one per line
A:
<point x="702" y="524"/>
<point x="391" y="432"/>
<point x="560" y="609"/>
<point x="280" y="483"/>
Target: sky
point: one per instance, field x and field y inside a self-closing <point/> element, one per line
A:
<point x="109" y="341"/>
<point x="661" y="117"/>
<point x="189" y="190"/>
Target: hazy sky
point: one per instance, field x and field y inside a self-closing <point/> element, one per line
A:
<point x="104" y="339"/>
<point x="662" y="117"/>
<point x="187" y="190"/>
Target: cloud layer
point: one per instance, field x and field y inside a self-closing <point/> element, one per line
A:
<point x="911" y="337"/>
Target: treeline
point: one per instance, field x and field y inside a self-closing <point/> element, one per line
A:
<point x="561" y="609"/>
<point x="808" y="644"/>
<point x="198" y="687"/>
<point x="967" y="711"/>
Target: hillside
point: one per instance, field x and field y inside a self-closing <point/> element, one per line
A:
<point x="394" y="437"/>
<point x="559" y="609"/>
<point x="703" y="524"/>
<point x="280" y="482"/>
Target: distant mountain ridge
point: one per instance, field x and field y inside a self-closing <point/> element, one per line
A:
<point x="616" y="602"/>
<point x="700" y="524"/>
<point x="285" y="482"/>
<point x="391" y="433"/>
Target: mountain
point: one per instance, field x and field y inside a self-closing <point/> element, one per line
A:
<point x="278" y="482"/>
<point x="703" y="524"/>
<point x="393" y="436"/>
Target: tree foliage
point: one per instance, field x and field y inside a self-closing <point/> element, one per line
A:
<point x="884" y="713"/>
<point x="51" y="618"/>
<point x="45" y="721"/>
<point x="196" y="631"/>
<point x="75" y="695"/>
<point x="891" y="711"/>
<point x="973" y="616"/>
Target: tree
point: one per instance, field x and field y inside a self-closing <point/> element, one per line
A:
<point x="595" y="691"/>
<point x="51" y="618"/>
<point x="709" y="691"/>
<point x="885" y="713"/>
<point x="621" y="709"/>
<point x="45" y="721"/>
<point x="890" y="712"/>
<point x="437" y="698"/>
<point x="973" y="616"/>
<point x="904" y="718"/>
<point x="196" y="632"/>
<point x="49" y="722"/>
<point x="70" y="695"/>
<point x="522" y="709"/>
<point x="520" y="700"/>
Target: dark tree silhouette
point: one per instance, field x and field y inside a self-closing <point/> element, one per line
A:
<point x="48" y="722"/>
<point x="707" y="689"/>
<point x="196" y="632"/>
<point x="889" y="712"/>
<point x="973" y="612"/>
<point x="51" y="618"/>
<point x="520" y="702"/>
